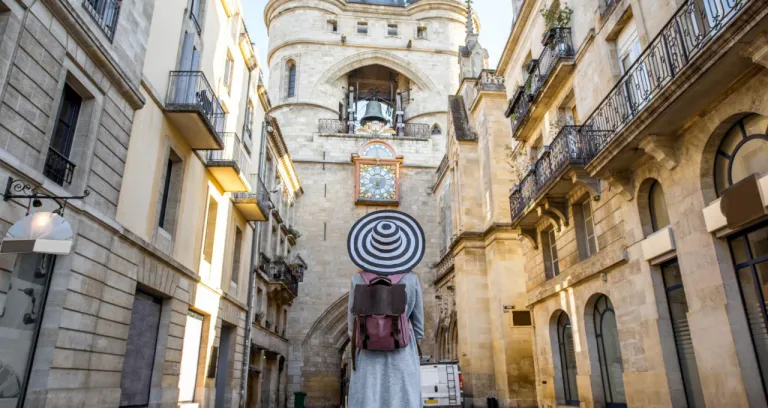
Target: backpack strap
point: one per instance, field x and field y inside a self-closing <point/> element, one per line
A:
<point x="370" y="277"/>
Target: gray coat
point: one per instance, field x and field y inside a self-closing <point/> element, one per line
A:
<point x="389" y="379"/>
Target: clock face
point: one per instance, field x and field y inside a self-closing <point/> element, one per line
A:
<point x="377" y="182"/>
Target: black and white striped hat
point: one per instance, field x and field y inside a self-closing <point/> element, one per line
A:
<point x="386" y="242"/>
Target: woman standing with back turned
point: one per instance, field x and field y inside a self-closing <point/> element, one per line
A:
<point x="386" y="313"/>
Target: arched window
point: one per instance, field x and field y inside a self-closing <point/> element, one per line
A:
<point x="567" y="360"/>
<point x="743" y="152"/>
<point x="657" y="207"/>
<point x="436" y="129"/>
<point x="609" y="353"/>
<point x="291" y="71"/>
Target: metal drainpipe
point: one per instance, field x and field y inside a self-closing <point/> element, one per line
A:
<point x="255" y="243"/>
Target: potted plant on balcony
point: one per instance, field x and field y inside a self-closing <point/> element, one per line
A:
<point x="268" y="324"/>
<point x="293" y="235"/>
<point x="555" y="18"/>
<point x="257" y="318"/>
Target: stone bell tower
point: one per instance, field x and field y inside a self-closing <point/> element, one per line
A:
<point x="360" y="88"/>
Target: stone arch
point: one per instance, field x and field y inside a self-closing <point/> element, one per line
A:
<point x="595" y="358"/>
<point x="386" y="59"/>
<point x="644" y="205"/>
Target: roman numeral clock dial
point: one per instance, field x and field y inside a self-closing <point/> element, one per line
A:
<point x="377" y="174"/>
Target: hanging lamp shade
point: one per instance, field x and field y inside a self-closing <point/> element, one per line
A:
<point x="43" y="233"/>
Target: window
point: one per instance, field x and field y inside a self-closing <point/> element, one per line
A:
<point x="333" y="26"/>
<point x="743" y="152"/>
<point x="234" y="26"/>
<point x="609" y="353"/>
<point x="229" y="68"/>
<point x="235" y="278"/>
<point x="567" y="360"/>
<point x="421" y="33"/>
<point x="140" y="350"/>
<point x="190" y="356"/>
<point x="628" y="47"/>
<point x="436" y="129"/>
<point x="585" y="229"/>
<point x="657" y="207"/>
<point x="362" y="28"/>
<point x="257" y="307"/>
<point x="194" y="14"/>
<point x="678" y="314"/>
<point x="549" y="246"/>
<point x="392" y="30"/>
<point x="104" y="13"/>
<point x="291" y="79"/>
<point x="210" y="229"/>
<point x="171" y="193"/>
<point x="248" y="122"/>
<point x="57" y="165"/>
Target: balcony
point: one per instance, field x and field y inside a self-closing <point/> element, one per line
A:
<point x="545" y="75"/>
<point x="340" y="127"/>
<point x="552" y="177"/>
<point x="229" y="164"/>
<point x="58" y="168"/>
<point x="195" y="110"/>
<point x="701" y="43"/>
<point x="105" y="14"/>
<point x="255" y="203"/>
<point x="284" y="277"/>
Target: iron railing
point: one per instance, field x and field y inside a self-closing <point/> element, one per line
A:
<point x="558" y="46"/>
<point x="58" y="167"/>
<point x="566" y="149"/>
<point x="257" y="191"/>
<point x="232" y="153"/>
<point x="105" y="14"/>
<point x="280" y="272"/>
<point x="693" y="25"/>
<point x="410" y="130"/>
<point x="190" y="90"/>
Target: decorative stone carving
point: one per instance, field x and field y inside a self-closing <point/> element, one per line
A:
<point x="662" y="149"/>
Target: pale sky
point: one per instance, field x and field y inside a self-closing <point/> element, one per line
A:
<point x="495" y="20"/>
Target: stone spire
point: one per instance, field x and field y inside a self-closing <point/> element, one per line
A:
<point x="470" y="23"/>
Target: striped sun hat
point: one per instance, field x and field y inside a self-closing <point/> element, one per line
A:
<point x="386" y="242"/>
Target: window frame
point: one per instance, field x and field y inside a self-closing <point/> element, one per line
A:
<point x="332" y="25"/>
<point x="360" y="25"/>
<point x="389" y="30"/>
<point x="589" y="219"/>
<point x="229" y="70"/>
<point x="420" y="30"/>
<point x="549" y="242"/>
<point x="598" y="316"/>
<point x="720" y="154"/>
<point x="291" y="79"/>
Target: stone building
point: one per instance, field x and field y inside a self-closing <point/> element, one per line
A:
<point x="136" y="139"/>
<point x="606" y="193"/>
<point x="360" y="91"/>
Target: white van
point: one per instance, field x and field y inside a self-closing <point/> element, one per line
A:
<point x="441" y="384"/>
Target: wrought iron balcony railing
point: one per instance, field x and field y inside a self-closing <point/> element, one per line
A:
<point x="105" y="14"/>
<point x="58" y="167"/>
<point x="190" y="90"/>
<point x="691" y="28"/>
<point x="566" y="150"/>
<point x="231" y="154"/>
<point x="410" y="130"/>
<point x="557" y="47"/>
<point x="258" y="191"/>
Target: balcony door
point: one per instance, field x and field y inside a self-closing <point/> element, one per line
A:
<point x="190" y="60"/>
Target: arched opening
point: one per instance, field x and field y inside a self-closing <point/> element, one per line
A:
<point x="604" y="342"/>
<point x="742" y="152"/>
<point x="564" y="354"/>
<point x="436" y="129"/>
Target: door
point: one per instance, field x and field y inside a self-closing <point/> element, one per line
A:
<point x="22" y="298"/>
<point x="186" y="83"/>
<point x="223" y="371"/>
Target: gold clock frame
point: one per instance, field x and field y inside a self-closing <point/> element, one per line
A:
<point x="359" y="160"/>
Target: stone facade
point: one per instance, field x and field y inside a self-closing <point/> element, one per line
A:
<point x="618" y="247"/>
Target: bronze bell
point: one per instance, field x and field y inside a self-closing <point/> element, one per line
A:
<point x="374" y="111"/>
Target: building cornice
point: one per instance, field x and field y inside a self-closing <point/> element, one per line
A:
<point x="514" y="36"/>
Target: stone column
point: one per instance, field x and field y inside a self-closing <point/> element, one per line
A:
<point x="475" y="344"/>
<point x="512" y="345"/>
